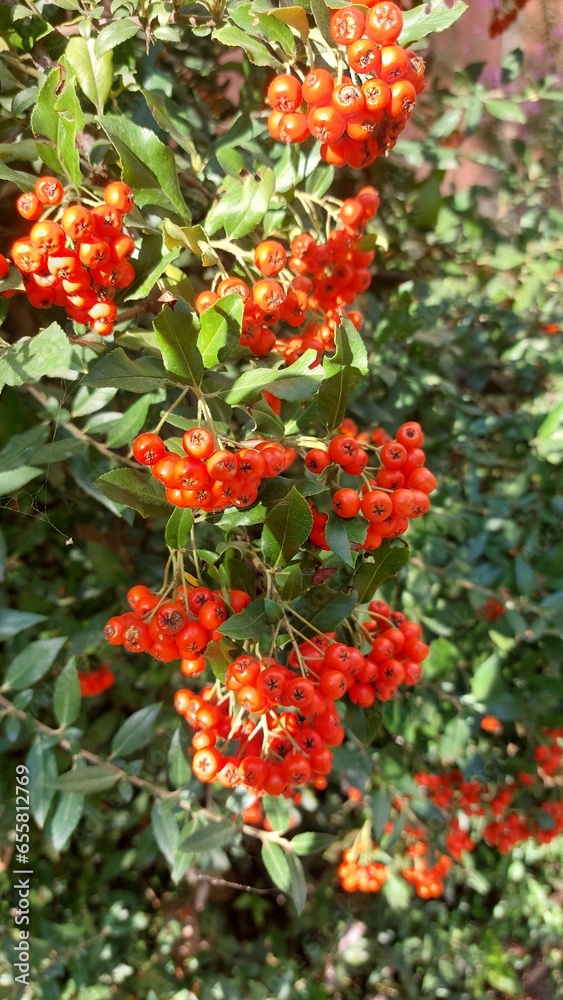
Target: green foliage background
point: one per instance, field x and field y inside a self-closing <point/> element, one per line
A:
<point x="466" y="285"/>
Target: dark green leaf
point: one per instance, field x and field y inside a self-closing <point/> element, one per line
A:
<point x="132" y="421"/>
<point x="208" y="837"/>
<point x="364" y="723"/>
<point x="66" y="818"/>
<point x="33" y="662"/>
<point x="42" y="776"/>
<point x="321" y="13"/>
<point x="325" y="608"/>
<point x="251" y="620"/>
<point x="149" y="166"/>
<point x="296" y="382"/>
<point x="87" y="780"/>
<point x="380" y="811"/>
<point x="298" y="885"/>
<point x="67" y="695"/>
<point x="176" y="333"/>
<point x="384" y="563"/>
<point x="165" y="829"/>
<point x="117" y="370"/>
<point x="276" y="864"/>
<point x="256" y="51"/>
<point x="138" y="490"/>
<point x="179" y="768"/>
<point x="135" y="731"/>
<point x="287" y="526"/>
<point x="308" y="843"/>
<point x="13" y="622"/>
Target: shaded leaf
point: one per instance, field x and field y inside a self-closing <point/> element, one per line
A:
<point x="176" y="333"/>
<point x="117" y="370"/>
<point x="287" y="526"/>
<point x="66" y="818"/>
<point x="42" y="776"/>
<point x="165" y="829"/>
<point x="296" y="382"/>
<point x="87" y="780"/>
<point x="139" y="490"/>
<point x="384" y="563"/>
<point x="33" y="662"/>
<point x="67" y="695"/>
<point x="135" y="731"/>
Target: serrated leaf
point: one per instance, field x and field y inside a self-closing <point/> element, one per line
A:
<point x="244" y="205"/>
<point x="87" y="780"/>
<point x="42" y="776"/>
<point x="135" y="731"/>
<point x="309" y="843"/>
<point x="148" y="165"/>
<point x="256" y="51"/>
<point x="178" y="528"/>
<point x="220" y="329"/>
<point x="252" y="619"/>
<point x="46" y="354"/>
<point x="33" y="662"/>
<point x="385" y="562"/>
<point x="13" y="622"/>
<point x="436" y="15"/>
<point x="165" y="829"/>
<point x="113" y="34"/>
<point x="66" y="818"/>
<point x="176" y="334"/>
<point x="117" y="370"/>
<point x="287" y="526"/>
<point x="57" y="115"/>
<point x="296" y="382"/>
<point x="94" y="71"/>
<point x="66" y="701"/>
<point x="138" y="490"/>
<point x="208" y="837"/>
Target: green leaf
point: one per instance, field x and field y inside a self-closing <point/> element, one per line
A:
<point x="117" y="370"/>
<point x="437" y="15"/>
<point x="321" y="13"/>
<point x="46" y="354"/>
<point x="114" y="34"/>
<point x="254" y="23"/>
<point x="344" y="369"/>
<point x="364" y="723"/>
<point x="87" y="780"/>
<point x="165" y="829"/>
<point x="244" y="205"/>
<point x="454" y="741"/>
<point x="309" y="843"/>
<point x="385" y="562"/>
<point x="42" y="776"/>
<point x="148" y="165"/>
<point x="220" y="328"/>
<point x="13" y="622"/>
<point x="287" y="526"/>
<point x="325" y="608"/>
<point x="94" y="71"/>
<point x="486" y="678"/>
<point x="293" y="584"/>
<point x="266" y="421"/>
<point x="380" y="811"/>
<point x="66" y="818"/>
<point x="256" y="51"/>
<point x="277" y="866"/>
<point x="178" y="528"/>
<point x="149" y="267"/>
<point x="296" y="382"/>
<point x="506" y="111"/>
<point x="176" y="333"/>
<point x="298" y="885"/>
<point x="13" y="280"/>
<point x="250" y="622"/>
<point x="338" y="532"/>
<point x="135" y="731"/>
<point x="242" y="518"/>
<point x="14" y="479"/>
<point x="192" y="238"/>
<point x="208" y="837"/>
<point x="138" y="490"/>
<point x="132" y="421"/>
<point x="67" y="695"/>
<point x="25" y="182"/>
<point x="178" y="766"/>
<point x="33" y="662"/>
<point x="277" y="810"/>
<point x="58" y="116"/>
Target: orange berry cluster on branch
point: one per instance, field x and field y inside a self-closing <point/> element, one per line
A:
<point x="399" y="491"/>
<point x="210" y="478"/>
<point x="179" y="627"/>
<point x="355" y="119"/>
<point x="328" y="277"/>
<point x="78" y="259"/>
<point x="358" y="874"/>
<point x="96" y="681"/>
<point x="270" y="728"/>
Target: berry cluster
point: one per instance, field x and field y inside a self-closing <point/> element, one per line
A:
<point x="270" y="728"/>
<point x="549" y="755"/>
<point x="172" y="628"/>
<point x="399" y="491"/>
<point x="78" y="259"/>
<point x="359" y="118"/>
<point x="210" y="478"/>
<point x="428" y="880"/>
<point x="358" y="873"/>
<point x="96" y="681"/>
<point x="327" y="278"/>
<point x="394" y="659"/>
<point x="502" y="19"/>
